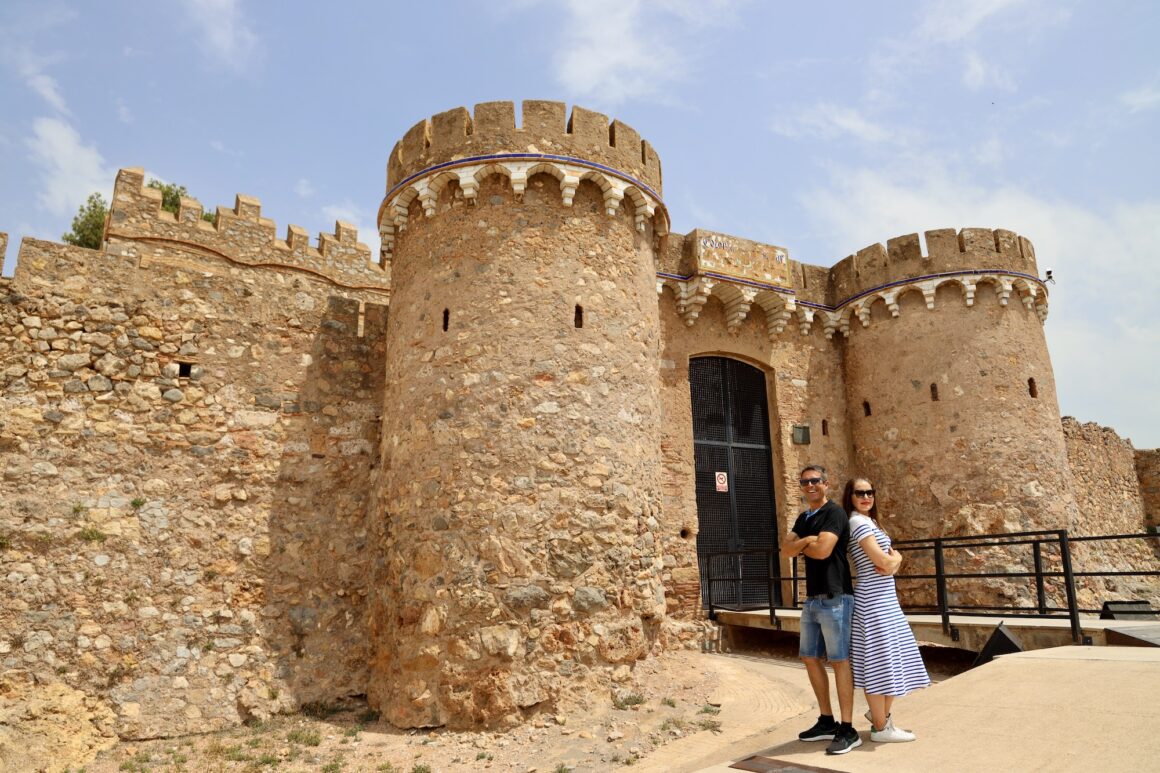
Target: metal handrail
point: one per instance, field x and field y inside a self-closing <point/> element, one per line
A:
<point x="939" y="546"/>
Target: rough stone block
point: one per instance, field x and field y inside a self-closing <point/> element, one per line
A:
<point x="943" y="245"/>
<point x="495" y="117"/>
<point x="544" y="119"/>
<point x="588" y="128"/>
<point x="450" y="128"/>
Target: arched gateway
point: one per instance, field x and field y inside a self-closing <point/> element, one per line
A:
<point x="734" y="463"/>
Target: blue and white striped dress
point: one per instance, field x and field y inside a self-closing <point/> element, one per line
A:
<point x="883" y="652"/>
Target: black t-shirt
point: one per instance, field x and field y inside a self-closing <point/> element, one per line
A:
<point x="827" y="575"/>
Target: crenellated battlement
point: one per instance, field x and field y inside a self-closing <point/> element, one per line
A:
<point x="455" y="147"/>
<point x="138" y="226"/>
<point x="948" y="250"/>
<point x="547" y="128"/>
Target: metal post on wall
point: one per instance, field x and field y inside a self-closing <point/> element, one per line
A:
<point x="1069" y="586"/>
<point x="1040" y="589"/>
<point x="941" y="585"/>
<point x="707" y="573"/>
<point x="795" y="582"/>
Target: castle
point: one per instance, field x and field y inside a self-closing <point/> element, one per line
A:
<point x="472" y="478"/>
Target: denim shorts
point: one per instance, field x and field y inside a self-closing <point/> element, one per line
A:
<point x="825" y="627"/>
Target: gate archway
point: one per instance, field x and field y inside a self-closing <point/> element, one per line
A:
<point x="731" y="436"/>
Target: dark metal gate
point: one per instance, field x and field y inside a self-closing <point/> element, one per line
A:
<point x="731" y="436"/>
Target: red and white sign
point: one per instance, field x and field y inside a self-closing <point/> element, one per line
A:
<point x="722" y="481"/>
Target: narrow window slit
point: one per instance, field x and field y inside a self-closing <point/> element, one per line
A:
<point x="934" y="393"/>
<point x="1032" y="389"/>
<point x="446" y="318"/>
<point x="825" y="427"/>
<point x="578" y="320"/>
<point x="866" y="407"/>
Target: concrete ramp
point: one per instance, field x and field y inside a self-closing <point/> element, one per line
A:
<point x="1134" y="636"/>
<point x="1063" y="709"/>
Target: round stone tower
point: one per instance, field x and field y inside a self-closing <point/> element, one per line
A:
<point x="949" y="384"/>
<point x="520" y="428"/>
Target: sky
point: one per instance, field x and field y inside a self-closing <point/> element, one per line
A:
<point x="820" y="127"/>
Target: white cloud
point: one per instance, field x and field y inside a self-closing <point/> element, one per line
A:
<point x="70" y="169"/>
<point x="829" y="120"/>
<point x="631" y="49"/>
<point x="980" y="73"/>
<point x="1147" y="97"/>
<point x="224" y="149"/>
<point x="124" y="114"/>
<point x="48" y="89"/>
<point x="31" y="68"/>
<point x="1101" y="260"/>
<point x="226" y="36"/>
<point x="349" y="212"/>
<point x="955" y="20"/>
<point x="28" y="57"/>
<point x="991" y="152"/>
<point x="945" y="27"/>
<point x="303" y="188"/>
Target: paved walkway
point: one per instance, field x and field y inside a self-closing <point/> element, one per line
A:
<point x="1064" y="709"/>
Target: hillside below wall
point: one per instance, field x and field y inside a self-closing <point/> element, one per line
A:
<point x="185" y="453"/>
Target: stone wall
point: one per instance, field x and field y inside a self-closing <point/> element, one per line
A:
<point x="186" y="449"/>
<point x="951" y="402"/>
<point x="1110" y="500"/>
<point x="803" y="386"/>
<point x="229" y="487"/>
<point x="1103" y="471"/>
<point x="1148" y="475"/>
<point x="521" y="557"/>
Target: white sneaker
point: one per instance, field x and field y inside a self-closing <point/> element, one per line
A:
<point x="891" y="734"/>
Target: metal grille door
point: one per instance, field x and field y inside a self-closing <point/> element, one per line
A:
<point x="731" y="436"/>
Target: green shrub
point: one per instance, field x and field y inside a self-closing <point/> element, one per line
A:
<point x="92" y="534"/>
<point x="623" y="702"/>
<point x="304" y="737"/>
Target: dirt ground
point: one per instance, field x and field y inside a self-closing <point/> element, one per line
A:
<point x="682" y="711"/>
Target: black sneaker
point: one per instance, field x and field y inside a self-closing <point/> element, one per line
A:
<point x="844" y="741"/>
<point x="823" y="730"/>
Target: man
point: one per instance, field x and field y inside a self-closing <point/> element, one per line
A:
<point x="821" y="535"/>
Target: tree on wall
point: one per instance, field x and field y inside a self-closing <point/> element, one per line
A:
<point x="171" y="194"/>
<point x="88" y="227"/>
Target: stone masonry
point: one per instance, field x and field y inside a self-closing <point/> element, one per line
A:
<point x="233" y="484"/>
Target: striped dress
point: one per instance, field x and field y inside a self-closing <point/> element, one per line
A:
<point x="884" y="654"/>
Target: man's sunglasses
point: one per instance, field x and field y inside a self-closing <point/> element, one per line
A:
<point x="810" y="481"/>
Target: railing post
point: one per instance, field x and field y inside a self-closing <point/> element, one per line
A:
<point x="709" y="582"/>
<point x="940" y="580"/>
<point x="794" y="580"/>
<point x="1069" y="586"/>
<point x="740" y="580"/>
<point x="1040" y="590"/>
<point x="770" y="575"/>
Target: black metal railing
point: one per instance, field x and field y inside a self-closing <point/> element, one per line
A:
<point x="1050" y="559"/>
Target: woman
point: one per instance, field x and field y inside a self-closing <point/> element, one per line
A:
<point x="885" y="657"/>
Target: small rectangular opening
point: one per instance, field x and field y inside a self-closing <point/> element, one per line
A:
<point x="801" y="434"/>
<point x="184" y="369"/>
